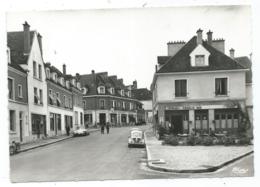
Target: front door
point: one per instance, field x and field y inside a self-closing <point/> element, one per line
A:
<point x="176" y="124"/>
<point x="102" y="118"/>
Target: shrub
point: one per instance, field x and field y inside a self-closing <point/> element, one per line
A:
<point x="207" y="141"/>
<point x="161" y="131"/>
<point x="198" y="140"/>
<point x="171" y="140"/>
<point x="228" y="140"/>
<point x="244" y="141"/>
<point x="191" y="140"/>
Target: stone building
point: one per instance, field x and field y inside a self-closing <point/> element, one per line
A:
<point x="199" y="88"/>
<point x="107" y="99"/>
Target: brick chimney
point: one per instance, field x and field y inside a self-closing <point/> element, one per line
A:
<point x="199" y="36"/>
<point x="135" y="84"/>
<point x="174" y="47"/>
<point x="26" y="38"/>
<point x="40" y="41"/>
<point x="232" y="53"/>
<point x="64" y="69"/>
<point x="209" y="33"/>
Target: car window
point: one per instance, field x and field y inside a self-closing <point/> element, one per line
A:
<point x="136" y="134"/>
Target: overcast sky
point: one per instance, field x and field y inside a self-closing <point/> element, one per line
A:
<point x="126" y="42"/>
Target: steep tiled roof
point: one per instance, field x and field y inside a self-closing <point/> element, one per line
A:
<point x="162" y="59"/>
<point x="17" y="67"/>
<point x="142" y="94"/>
<point x="181" y="61"/>
<point x="246" y="62"/>
<point x="15" y="41"/>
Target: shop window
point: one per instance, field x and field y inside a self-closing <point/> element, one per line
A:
<point x="180" y="88"/>
<point x="221" y="86"/>
<point x="223" y="121"/>
<point x="58" y="116"/>
<point x="81" y="118"/>
<point x="229" y="121"/>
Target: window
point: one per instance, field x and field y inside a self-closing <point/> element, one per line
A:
<point x="11" y="88"/>
<point x="41" y="96"/>
<point x="34" y="69"/>
<point x="102" y="104"/>
<point x="113" y="104"/>
<point x="50" y="97"/>
<point x="58" y="98"/>
<point x="112" y="91"/>
<point x="84" y="104"/>
<point x="58" y="118"/>
<point x="123" y="105"/>
<point x="67" y="84"/>
<point x="81" y="118"/>
<point x="131" y="106"/>
<point x="20" y="91"/>
<point x="221" y="86"/>
<point x="70" y="103"/>
<point x="36" y="98"/>
<point x="76" y="117"/>
<point x="48" y="73"/>
<point x="40" y="71"/>
<point x="8" y="55"/>
<point x="199" y="60"/>
<point x="180" y="88"/>
<point x="122" y="92"/>
<point x="12" y="120"/>
<point x="101" y="90"/>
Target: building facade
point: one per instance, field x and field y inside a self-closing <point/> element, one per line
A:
<point x="199" y="88"/>
<point x="42" y="100"/>
<point x="107" y="99"/>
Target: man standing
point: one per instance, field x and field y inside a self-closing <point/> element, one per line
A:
<point x="102" y="128"/>
<point x="107" y="127"/>
<point x="68" y="130"/>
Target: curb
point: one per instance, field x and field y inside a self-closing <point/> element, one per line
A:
<point x="211" y="169"/>
<point x="49" y="143"/>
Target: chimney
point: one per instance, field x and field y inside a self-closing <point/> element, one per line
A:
<point x="209" y="33"/>
<point x="26" y="38"/>
<point x="199" y="36"/>
<point x="174" y="47"/>
<point x="219" y="44"/>
<point x="40" y="41"/>
<point x="135" y="84"/>
<point x="64" y="69"/>
<point x="232" y="53"/>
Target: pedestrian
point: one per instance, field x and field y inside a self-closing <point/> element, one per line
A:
<point x="102" y="128"/>
<point x="68" y="130"/>
<point x="107" y="127"/>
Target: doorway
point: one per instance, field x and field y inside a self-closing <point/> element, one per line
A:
<point x="177" y="126"/>
<point x="21" y="125"/>
<point x="102" y="118"/>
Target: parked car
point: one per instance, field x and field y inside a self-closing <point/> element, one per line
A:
<point x="80" y="131"/>
<point x="136" y="138"/>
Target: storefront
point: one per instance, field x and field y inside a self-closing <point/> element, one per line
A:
<point x="182" y="118"/>
<point x="39" y="125"/>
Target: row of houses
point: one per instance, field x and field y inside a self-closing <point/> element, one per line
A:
<point x="198" y="88"/>
<point x="43" y="100"/>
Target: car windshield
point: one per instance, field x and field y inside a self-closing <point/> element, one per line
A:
<point x="136" y="134"/>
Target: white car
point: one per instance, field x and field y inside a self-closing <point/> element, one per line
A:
<point x="136" y="138"/>
<point x="80" y="131"/>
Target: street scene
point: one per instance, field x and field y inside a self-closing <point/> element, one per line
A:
<point x="111" y="95"/>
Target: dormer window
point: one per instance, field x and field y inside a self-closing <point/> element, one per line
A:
<point x="78" y="85"/>
<point x="112" y="91"/>
<point x="84" y="90"/>
<point x="62" y="81"/>
<point x="8" y="55"/>
<point x="54" y="77"/>
<point x="129" y="93"/>
<point x="199" y="60"/>
<point x="122" y="92"/>
<point x="67" y="84"/>
<point x="199" y="56"/>
<point x="73" y="82"/>
<point x="48" y="73"/>
<point x="101" y="90"/>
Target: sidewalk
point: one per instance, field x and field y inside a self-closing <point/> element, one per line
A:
<point x="191" y="159"/>
<point x="48" y="141"/>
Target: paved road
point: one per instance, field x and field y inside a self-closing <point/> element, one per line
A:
<point x="99" y="157"/>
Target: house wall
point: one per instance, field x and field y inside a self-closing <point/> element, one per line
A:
<point x="35" y="55"/>
<point x="200" y="86"/>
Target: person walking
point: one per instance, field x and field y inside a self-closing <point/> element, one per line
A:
<point x="102" y="128"/>
<point x="107" y="127"/>
<point x="68" y="130"/>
